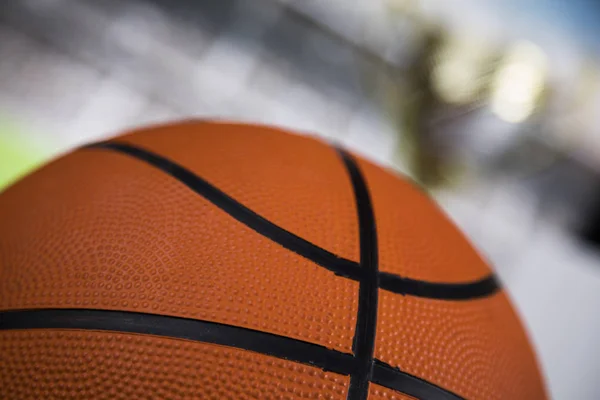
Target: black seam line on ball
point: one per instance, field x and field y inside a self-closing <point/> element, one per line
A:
<point x="340" y="266"/>
<point x="441" y="291"/>
<point x="243" y="214"/>
<point x="180" y="328"/>
<point x="221" y="334"/>
<point x="392" y="378"/>
<point x="366" y="319"/>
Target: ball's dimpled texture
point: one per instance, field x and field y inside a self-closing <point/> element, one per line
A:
<point x="103" y="365"/>
<point x="415" y="238"/>
<point x="377" y="392"/>
<point x="115" y="233"/>
<point x="458" y="345"/>
<point x="102" y="230"/>
<point x="290" y="183"/>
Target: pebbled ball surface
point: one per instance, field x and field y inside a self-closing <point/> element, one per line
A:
<point x="57" y="364"/>
<point x="97" y="229"/>
<point x="377" y="392"/>
<point x="135" y="239"/>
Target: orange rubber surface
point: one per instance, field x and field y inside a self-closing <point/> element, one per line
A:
<point x="302" y="187"/>
<point x="416" y="239"/>
<point x="476" y="348"/>
<point x="102" y="230"/>
<point x="377" y="392"/>
<point x="54" y="364"/>
<point x="115" y="233"/>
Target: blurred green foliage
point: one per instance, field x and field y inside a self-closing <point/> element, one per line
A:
<point x="17" y="156"/>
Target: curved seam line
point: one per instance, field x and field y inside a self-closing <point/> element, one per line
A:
<point x="232" y="336"/>
<point x="338" y="265"/>
<point x="366" y="319"/>
<point x="237" y="210"/>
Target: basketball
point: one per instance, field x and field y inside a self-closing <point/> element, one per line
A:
<point x="205" y="260"/>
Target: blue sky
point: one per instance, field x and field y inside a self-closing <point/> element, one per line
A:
<point x="579" y="19"/>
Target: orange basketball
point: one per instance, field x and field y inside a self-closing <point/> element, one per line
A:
<point x="213" y="260"/>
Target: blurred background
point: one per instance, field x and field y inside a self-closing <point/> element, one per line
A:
<point x="492" y="106"/>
